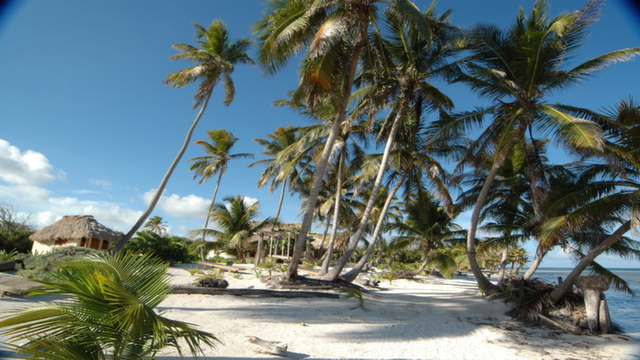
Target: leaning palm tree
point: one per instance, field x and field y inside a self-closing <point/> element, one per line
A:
<point x="612" y="200"/>
<point x="517" y="69"/>
<point x="216" y="162"/>
<point x="107" y="312"/>
<point x="215" y="59"/>
<point x="156" y="224"/>
<point x="334" y="32"/>
<point x="400" y="69"/>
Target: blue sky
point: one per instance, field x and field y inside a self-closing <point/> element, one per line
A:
<point x="87" y="127"/>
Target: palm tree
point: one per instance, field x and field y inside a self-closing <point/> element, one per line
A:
<point x="108" y="313"/>
<point x="335" y="32"/>
<point x="235" y="220"/>
<point x="516" y="69"/>
<point x="400" y="69"/>
<point x="216" y="162"/>
<point x="280" y="168"/>
<point x="612" y="201"/>
<point x="215" y="59"/>
<point x="156" y="224"/>
<point x="428" y="224"/>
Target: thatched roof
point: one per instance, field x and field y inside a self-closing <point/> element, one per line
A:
<point x="75" y="227"/>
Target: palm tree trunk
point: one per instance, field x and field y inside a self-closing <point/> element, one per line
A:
<point x="567" y="284"/>
<point x="206" y="222"/>
<point x="485" y="285"/>
<point x="275" y="220"/>
<point x="377" y="232"/>
<point x="420" y="269"/>
<point x="292" y="272"/>
<point x="540" y="254"/>
<point x="335" y="272"/>
<point x="503" y="266"/>
<point x="156" y="197"/>
<point x="336" y="217"/>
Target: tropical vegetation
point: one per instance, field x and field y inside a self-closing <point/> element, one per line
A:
<point x="107" y="313"/>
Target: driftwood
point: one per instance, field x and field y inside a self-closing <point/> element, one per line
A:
<point x="266" y="347"/>
<point x="561" y="325"/>
<point x="252" y="292"/>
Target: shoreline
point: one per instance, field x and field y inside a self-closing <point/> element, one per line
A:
<point x="431" y="319"/>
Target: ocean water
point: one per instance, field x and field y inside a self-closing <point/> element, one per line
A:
<point x="624" y="309"/>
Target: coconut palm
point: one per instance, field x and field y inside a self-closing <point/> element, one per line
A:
<point x="214" y="57"/>
<point x="235" y="221"/>
<point x="399" y="69"/>
<point x="428" y="225"/>
<point x="334" y="32"/>
<point x="612" y="196"/>
<point x="156" y="224"/>
<point x="216" y="162"/>
<point x="280" y="168"/>
<point x="108" y="312"/>
<point x="517" y="69"/>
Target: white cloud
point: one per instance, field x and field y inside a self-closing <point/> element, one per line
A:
<point x="191" y="206"/>
<point x="24" y="194"/>
<point x="105" y="184"/>
<point x="108" y="214"/>
<point x="25" y="168"/>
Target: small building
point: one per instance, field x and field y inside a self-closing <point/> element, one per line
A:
<point x="74" y="230"/>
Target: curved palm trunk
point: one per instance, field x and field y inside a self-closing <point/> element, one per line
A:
<point x="336" y="214"/>
<point x="301" y="239"/>
<point x="567" y="284"/>
<point x="335" y="272"/>
<point x="540" y="254"/>
<point x="485" y="285"/>
<point x="422" y="266"/>
<point x="206" y="222"/>
<point x="503" y="267"/>
<point x="156" y="197"/>
<point x="377" y="232"/>
<point x="275" y="220"/>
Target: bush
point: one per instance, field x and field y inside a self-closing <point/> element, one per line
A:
<point x="17" y="240"/>
<point x="167" y="248"/>
<point x="42" y="266"/>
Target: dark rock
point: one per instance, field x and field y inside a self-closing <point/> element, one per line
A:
<point x="214" y="283"/>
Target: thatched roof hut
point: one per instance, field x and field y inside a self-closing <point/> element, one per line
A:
<point x="74" y="230"/>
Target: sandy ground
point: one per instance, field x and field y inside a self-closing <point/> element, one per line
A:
<point x="432" y="319"/>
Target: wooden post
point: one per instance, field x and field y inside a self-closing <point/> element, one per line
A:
<point x="592" y="287"/>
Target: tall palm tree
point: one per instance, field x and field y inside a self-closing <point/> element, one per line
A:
<point x="281" y="168"/>
<point x="214" y="57"/>
<point x="235" y="220"/>
<point x="399" y="70"/>
<point x="216" y="162"/>
<point x="334" y="32"/>
<point x="108" y="313"/>
<point x="156" y="224"/>
<point x="517" y="69"/>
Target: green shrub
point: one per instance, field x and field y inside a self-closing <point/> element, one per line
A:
<point x="17" y="240"/>
<point x="167" y="248"/>
<point x="7" y="255"/>
<point x="42" y="266"/>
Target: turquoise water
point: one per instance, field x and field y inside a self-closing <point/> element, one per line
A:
<point x="625" y="309"/>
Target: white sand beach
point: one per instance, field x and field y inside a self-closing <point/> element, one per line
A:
<point x="430" y="319"/>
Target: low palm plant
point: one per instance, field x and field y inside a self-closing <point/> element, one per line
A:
<point x="107" y="313"/>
